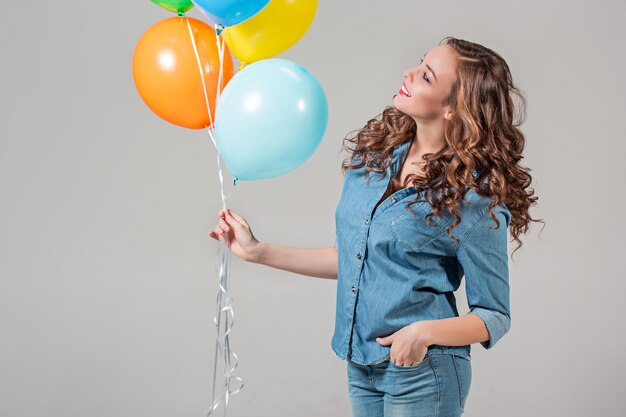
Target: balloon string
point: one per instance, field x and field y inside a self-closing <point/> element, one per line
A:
<point x="224" y="300"/>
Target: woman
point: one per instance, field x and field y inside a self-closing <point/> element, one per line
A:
<point x="429" y="192"/>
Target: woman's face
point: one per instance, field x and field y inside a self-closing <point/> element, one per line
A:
<point x="428" y="85"/>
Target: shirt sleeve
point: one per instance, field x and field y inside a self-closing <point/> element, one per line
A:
<point x="483" y="256"/>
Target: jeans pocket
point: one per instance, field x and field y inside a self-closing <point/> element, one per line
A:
<point x="419" y="365"/>
<point x="463" y="368"/>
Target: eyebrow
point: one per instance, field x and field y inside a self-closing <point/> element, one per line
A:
<point x="431" y="70"/>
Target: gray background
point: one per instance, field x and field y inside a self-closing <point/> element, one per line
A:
<point x="108" y="282"/>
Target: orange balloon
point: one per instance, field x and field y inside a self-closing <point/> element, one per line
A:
<point x="166" y="73"/>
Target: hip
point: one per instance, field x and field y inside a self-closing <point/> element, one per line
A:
<point x="438" y="386"/>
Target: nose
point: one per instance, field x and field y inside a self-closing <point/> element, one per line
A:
<point x="407" y="74"/>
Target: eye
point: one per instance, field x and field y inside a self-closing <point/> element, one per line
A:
<point x="425" y="77"/>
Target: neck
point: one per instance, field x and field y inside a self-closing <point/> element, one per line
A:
<point x="427" y="140"/>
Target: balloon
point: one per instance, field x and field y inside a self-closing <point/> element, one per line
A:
<point x="176" y="6"/>
<point x="167" y="76"/>
<point x="230" y="12"/>
<point x="276" y="28"/>
<point x="271" y="117"/>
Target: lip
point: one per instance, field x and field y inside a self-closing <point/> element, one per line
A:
<point x="402" y="92"/>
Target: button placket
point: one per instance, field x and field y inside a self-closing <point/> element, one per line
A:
<point x="353" y="288"/>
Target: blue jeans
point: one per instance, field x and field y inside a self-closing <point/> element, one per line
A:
<point x="436" y="387"/>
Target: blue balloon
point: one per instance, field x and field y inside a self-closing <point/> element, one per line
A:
<point x="230" y="12"/>
<point x="269" y="119"/>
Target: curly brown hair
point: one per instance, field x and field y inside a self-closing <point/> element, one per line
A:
<point x="482" y="135"/>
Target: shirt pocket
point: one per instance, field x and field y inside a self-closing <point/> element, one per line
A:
<point x="411" y="230"/>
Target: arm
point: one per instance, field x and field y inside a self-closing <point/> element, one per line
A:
<point x="483" y="256"/>
<point x="317" y="262"/>
<point x="454" y="331"/>
<point x="235" y="231"/>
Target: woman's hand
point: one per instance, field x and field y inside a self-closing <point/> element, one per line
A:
<point x="408" y="345"/>
<point x="235" y="231"/>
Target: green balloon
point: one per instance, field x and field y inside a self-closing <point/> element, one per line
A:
<point x="175" y="6"/>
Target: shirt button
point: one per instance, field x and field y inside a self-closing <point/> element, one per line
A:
<point x="358" y="255"/>
<point x="350" y="320"/>
<point x="393" y="199"/>
<point x="367" y="221"/>
<point x="353" y="289"/>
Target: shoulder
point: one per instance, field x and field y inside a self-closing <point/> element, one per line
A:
<point x="475" y="212"/>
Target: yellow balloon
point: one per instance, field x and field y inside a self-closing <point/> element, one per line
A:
<point x="274" y="29"/>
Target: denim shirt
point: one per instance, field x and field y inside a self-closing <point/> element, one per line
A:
<point x="395" y="269"/>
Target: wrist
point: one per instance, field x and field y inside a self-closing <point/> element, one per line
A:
<point x="255" y="255"/>
<point x="424" y="332"/>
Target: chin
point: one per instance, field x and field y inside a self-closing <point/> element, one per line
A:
<point x="395" y="103"/>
